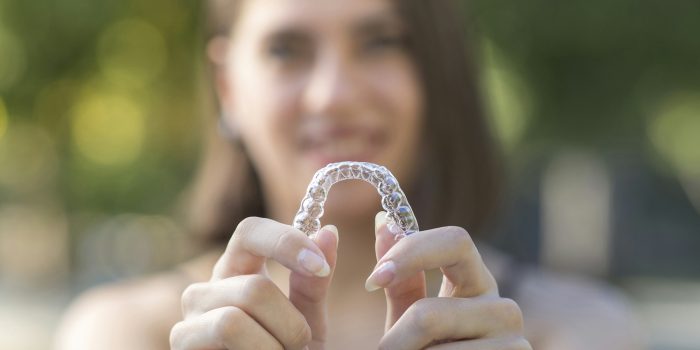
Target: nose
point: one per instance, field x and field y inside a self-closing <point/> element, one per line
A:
<point x="332" y="87"/>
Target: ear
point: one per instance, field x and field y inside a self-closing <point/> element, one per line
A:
<point x="217" y="53"/>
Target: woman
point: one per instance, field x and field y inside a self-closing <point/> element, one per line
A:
<point x="302" y="83"/>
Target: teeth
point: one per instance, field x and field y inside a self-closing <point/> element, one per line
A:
<point x="343" y="148"/>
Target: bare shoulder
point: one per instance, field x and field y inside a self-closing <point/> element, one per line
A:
<point x="134" y="314"/>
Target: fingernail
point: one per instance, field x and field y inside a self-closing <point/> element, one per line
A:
<point x="381" y="277"/>
<point x="379" y="220"/>
<point x="333" y="230"/>
<point x="313" y="263"/>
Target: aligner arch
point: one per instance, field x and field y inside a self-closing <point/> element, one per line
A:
<point x="400" y="218"/>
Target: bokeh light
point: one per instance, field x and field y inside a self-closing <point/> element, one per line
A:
<point x="101" y="113"/>
<point x="675" y="131"/>
<point x="108" y="128"/>
<point x="506" y="95"/>
<point x="131" y="53"/>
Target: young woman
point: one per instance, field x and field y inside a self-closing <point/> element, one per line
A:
<point x="302" y="83"/>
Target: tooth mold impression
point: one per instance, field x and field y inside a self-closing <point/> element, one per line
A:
<point x="400" y="219"/>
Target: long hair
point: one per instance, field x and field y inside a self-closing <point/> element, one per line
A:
<point x="459" y="179"/>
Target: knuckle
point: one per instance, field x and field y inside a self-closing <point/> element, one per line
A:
<point x="509" y="312"/>
<point x="191" y="295"/>
<point x="245" y="226"/>
<point x="461" y="237"/>
<point x="301" y="335"/>
<point x="257" y="289"/>
<point x="287" y="239"/>
<point x="229" y="321"/>
<point x="176" y="336"/>
<point x="424" y="317"/>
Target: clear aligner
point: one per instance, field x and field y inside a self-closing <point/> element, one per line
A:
<point x="400" y="219"/>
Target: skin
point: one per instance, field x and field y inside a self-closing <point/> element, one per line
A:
<point x="241" y="307"/>
<point x="306" y="82"/>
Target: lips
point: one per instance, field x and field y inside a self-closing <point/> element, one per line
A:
<point x="336" y="143"/>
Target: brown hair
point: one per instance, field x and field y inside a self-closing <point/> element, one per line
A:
<point x="459" y="180"/>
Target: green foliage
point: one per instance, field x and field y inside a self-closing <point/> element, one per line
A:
<point x="110" y="89"/>
<point x="597" y="70"/>
<point x="111" y="86"/>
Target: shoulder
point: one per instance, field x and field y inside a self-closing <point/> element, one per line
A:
<point x="566" y="311"/>
<point x="135" y="314"/>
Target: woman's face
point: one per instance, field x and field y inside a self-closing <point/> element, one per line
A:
<point x="310" y="82"/>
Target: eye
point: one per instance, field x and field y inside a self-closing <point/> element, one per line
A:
<point x="281" y="50"/>
<point x="383" y="42"/>
<point x="287" y="51"/>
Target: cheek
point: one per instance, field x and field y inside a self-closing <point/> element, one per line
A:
<point x="263" y="103"/>
<point x="400" y="91"/>
<point x="404" y="96"/>
<point x="403" y="100"/>
<point x="264" y="110"/>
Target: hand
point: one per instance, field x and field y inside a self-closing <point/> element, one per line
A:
<point x="241" y="308"/>
<point x="468" y="312"/>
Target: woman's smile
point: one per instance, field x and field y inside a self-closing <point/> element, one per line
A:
<point x="328" y="144"/>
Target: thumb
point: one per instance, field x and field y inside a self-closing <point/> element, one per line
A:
<point x="308" y="294"/>
<point x="402" y="295"/>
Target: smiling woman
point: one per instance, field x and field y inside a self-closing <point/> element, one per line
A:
<point x="377" y="83"/>
<point x="305" y="86"/>
<point x="301" y="83"/>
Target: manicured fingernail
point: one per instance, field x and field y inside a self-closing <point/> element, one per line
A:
<point x="333" y="230"/>
<point x="313" y="263"/>
<point x="379" y="220"/>
<point x="381" y="277"/>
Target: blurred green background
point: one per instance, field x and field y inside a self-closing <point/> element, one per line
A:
<point x="596" y="105"/>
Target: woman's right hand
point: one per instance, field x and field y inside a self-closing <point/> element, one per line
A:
<point x="241" y="308"/>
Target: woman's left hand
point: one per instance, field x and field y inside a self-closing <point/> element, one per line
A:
<point x="468" y="312"/>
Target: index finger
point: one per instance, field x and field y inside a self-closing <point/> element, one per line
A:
<point x="449" y="248"/>
<point x="256" y="239"/>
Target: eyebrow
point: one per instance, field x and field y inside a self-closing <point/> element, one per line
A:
<point x="372" y="24"/>
<point x="288" y="34"/>
<point x="378" y="23"/>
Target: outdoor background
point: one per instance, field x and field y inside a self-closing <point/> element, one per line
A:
<point x="596" y="104"/>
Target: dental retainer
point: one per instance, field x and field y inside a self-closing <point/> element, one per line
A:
<point x="400" y="218"/>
